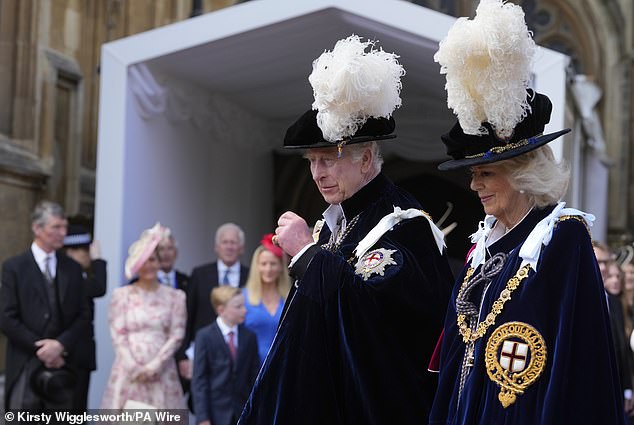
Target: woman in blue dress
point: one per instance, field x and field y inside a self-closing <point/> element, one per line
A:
<point x="265" y="292"/>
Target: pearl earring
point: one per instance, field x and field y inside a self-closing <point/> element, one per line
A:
<point x="522" y="191"/>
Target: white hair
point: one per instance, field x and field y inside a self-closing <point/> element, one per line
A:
<point x="356" y="153"/>
<point x="44" y="210"/>
<point x="539" y="175"/>
<point x="229" y="226"/>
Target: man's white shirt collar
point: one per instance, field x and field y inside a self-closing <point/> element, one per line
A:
<point x="40" y="258"/>
<point x="168" y="278"/>
<point x="234" y="273"/>
<point x="334" y="216"/>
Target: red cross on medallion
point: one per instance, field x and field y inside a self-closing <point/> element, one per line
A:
<point x="377" y="256"/>
<point x="513" y="356"/>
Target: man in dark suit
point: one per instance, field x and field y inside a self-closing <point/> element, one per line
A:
<point x="229" y="245"/>
<point x="79" y="246"/>
<point x="43" y="313"/>
<point x="168" y="253"/>
<point x="226" y="361"/>
<point x="167" y="250"/>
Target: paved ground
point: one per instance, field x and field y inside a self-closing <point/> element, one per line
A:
<point x="192" y="419"/>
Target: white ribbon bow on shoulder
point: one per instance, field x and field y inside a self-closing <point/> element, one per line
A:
<point x="478" y="255"/>
<point x="532" y="247"/>
<point x="391" y="220"/>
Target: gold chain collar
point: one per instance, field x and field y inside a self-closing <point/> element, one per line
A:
<point x="505" y="295"/>
<point x="496" y="309"/>
<point x="336" y="240"/>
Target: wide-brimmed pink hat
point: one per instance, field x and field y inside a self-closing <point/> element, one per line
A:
<point x="141" y="250"/>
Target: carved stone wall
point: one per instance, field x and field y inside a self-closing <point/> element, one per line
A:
<point x="49" y="85"/>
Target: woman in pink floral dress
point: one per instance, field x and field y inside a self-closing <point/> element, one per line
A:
<point x="147" y="325"/>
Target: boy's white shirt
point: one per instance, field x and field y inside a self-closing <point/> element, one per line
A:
<point x="225" y="329"/>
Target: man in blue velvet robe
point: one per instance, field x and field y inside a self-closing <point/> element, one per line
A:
<point x="370" y="294"/>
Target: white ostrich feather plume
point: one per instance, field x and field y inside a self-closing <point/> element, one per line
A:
<point x="487" y="62"/>
<point x="351" y="85"/>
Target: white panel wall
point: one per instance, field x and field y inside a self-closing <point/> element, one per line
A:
<point x="550" y="79"/>
<point x="109" y="216"/>
<point x="175" y="174"/>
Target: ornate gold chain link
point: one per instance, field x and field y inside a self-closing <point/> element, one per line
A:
<point x="336" y="240"/>
<point x="496" y="308"/>
<point x="576" y="217"/>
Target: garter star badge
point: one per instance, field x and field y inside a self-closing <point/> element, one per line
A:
<point x="374" y="262"/>
<point x="515" y="357"/>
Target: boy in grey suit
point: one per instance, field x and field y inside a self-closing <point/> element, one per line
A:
<point x="226" y="361"/>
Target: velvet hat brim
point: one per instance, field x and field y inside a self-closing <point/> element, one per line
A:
<point x="468" y="150"/>
<point x="498" y="153"/>
<point x="305" y="134"/>
<point x="77" y="236"/>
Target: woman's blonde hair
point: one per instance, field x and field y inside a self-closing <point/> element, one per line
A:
<point x="539" y="175"/>
<point x="254" y="282"/>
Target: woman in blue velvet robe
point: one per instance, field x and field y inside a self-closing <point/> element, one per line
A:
<point x="527" y="334"/>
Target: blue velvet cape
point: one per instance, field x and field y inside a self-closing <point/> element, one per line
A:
<point x="565" y="301"/>
<point x="350" y="351"/>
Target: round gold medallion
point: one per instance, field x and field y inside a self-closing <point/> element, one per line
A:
<point x="515" y="357"/>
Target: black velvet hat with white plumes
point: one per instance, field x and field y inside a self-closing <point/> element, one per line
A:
<point x="468" y="150"/>
<point x="356" y="88"/>
<point x="305" y="133"/>
<point x="487" y="62"/>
